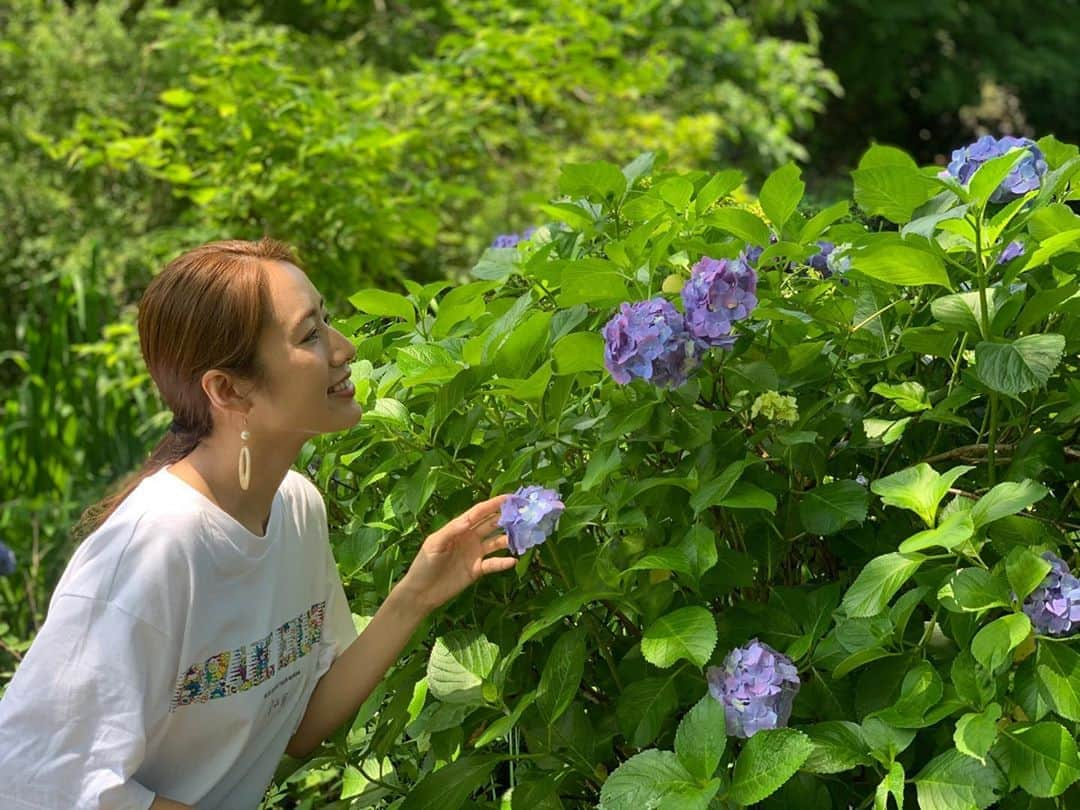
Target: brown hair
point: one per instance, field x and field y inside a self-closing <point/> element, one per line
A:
<point x="205" y="310"/>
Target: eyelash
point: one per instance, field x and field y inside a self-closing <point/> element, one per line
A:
<point x="314" y="332"/>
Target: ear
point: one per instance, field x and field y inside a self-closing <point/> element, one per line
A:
<point x="227" y="392"/>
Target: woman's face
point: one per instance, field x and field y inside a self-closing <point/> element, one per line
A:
<point x="303" y="357"/>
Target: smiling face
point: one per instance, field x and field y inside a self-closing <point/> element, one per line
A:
<point x="303" y="357"/>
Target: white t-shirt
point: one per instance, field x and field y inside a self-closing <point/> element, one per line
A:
<point x="177" y="657"/>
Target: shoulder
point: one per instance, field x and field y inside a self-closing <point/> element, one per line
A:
<point x="302" y="493"/>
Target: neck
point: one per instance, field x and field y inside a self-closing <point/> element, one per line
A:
<point x="212" y="469"/>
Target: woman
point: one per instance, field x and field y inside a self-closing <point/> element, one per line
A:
<point x="201" y="629"/>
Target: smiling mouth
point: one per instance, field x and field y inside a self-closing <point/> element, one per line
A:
<point x="340" y="387"/>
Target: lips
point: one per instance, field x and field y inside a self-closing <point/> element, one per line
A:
<point x="340" y="385"/>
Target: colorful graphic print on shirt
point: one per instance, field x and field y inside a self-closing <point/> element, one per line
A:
<point x="227" y="673"/>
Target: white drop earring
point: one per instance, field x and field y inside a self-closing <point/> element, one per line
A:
<point x="245" y="458"/>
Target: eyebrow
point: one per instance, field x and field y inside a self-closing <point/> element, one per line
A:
<point x="309" y="314"/>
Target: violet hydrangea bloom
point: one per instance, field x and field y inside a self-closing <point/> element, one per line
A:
<point x="648" y="340"/>
<point x="820" y="260"/>
<point x="529" y="516"/>
<point x="1011" y="251"/>
<point x="1054" y="607"/>
<point x="757" y="686"/>
<point x="509" y="240"/>
<point x="718" y="293"/>
<point x="1024" y="177"/>
<point x="7" y="560"/>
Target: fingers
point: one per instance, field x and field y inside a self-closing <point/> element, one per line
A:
<point x="495" y="544"/>
<point x="484" y="511"/>
<point x="493" y="565"/>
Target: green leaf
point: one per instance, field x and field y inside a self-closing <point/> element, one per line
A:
<point x="891" y="785"/>
<point x="920" y="691"/>
<point x="880" y="155"/>
<point x="976" y="731"/>
<point x="384" y="304"/>
<point x="951" y="532"/>
<point x="893" y="192"/>
<point x="885" y="741"/>
<point x="964" y="310"/>
<point x="670" y="558"/>
<point x="701" y="738"/>
<point x="769" y="758"/>
<point x="951" y="781"/>
<point x="879" y="580"/>
<point x="569" y="603"/>
<point x="1025" y="570"/>
<point x="688" y="633"/>
<point x="976" y="589"/>
<point x="643" y="707"/>
<point x="908" y="396"/>
<point x="653" y="779"/>
<point x="994" y="642"/>
<point x="739" y="223"/>
<point x="592" y="281"/>
<point x="458" y="664"/>
<point x="901" y="265"/>
<point x="578" y="351"/>
<point x="177" y="97"/>
<point x="830" y="507"/>
<point x="720" y="185"/>
<point x="1041" y="758"/>
<point x="780" y="194"/>
<point x="838" y="746"/>
<point x="713" y="490"/>
<point x="1057" y="669"/>
<point x="1020" y="365"/>
<point x="597" y="181"/>
<point x="823" y="219"/>
<point x="989" y="175"/>
<point x="562" y="675"/>
<point x="501" y="727"/>
<point x="450" y="787"/>
<point x="919" y="488"/>
<point x="1006" y="498"/>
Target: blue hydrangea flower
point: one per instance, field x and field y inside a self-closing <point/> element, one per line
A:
<point x="1011" y="251"/>
<point x="649" y="340"/>
<point x="1054" y="607"/>
<point x="757" y="686"/>
<point x="7" y="561"/>
<point x="750" y="254"/>
<point x="509" y="240"/>
<point x="718" y="293"/>
<point x="1024" y="177"/>
<point x="529" y="516"/>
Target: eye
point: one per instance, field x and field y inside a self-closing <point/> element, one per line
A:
<point x="314" y="333"/>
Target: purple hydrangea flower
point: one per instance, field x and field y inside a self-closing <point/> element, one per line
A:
<point x="1011" y="251"/>
<point x="757" y="686"/>
<point x="718" y="293"/>
<point x="750" y="254"/>
<point x="1054" y="607"/>
<point x="649" y="340"/>
<point x="509" y="240"/>
<point x="820" y="260"/>
<point x="1024" y="177"/>
<point x="7" y="560"/>
<point x="529" y="516"/>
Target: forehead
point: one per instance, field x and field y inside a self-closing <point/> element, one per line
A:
<point x="291" y="292"/>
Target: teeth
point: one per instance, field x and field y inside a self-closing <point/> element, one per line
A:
<point x="341" y="386"/>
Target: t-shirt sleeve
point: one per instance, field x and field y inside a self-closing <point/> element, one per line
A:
<point x="339" y="631"/>
<point x="75" y="718"/>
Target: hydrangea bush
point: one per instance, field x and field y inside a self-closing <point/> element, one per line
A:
<point x="816" y="530"/>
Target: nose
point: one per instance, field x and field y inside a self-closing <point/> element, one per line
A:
<point x="345" y="349"/>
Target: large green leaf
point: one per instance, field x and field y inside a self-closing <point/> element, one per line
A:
<point x="1019" y="365"/>
<point x="838" y="746"/>
<point x="458" y="664"/>
<point x="891" y="785"/>
<point x="950" y="533"/>
<point x="951" y="781"/>
<point x="450" y="786"/>
<point x="830" y="507"/>
<point x="976" y="589"/>
<point x="1007" y="498"/>
<point x="976" y="731"/>
<point x="993" y="643"/>
<point x="597" y="181"/>
<point x="688" y="633"/>
<point x="902" y="265"/>
<point x="643" y="706"/>
<point x="741" y="224"/>
<point x="562" y="675"/>
<point x="964" y="310"/>
<point x="1057" y="669"/>
<point x="780" y="194"/>
<point x="891" y="191"/>
<point x="653" y="779"/>
<point x="767" y="761"/>
<point x="879" y="580"/>
<point x="919" y="488"/>
<point x="1025" y="570"/>
<point x="1041" y="758"/>
<point x="701" y="738"/>
<point x="383" y="303"/>
<point x="578" y="351"/>
<point x="989" y="175"/>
